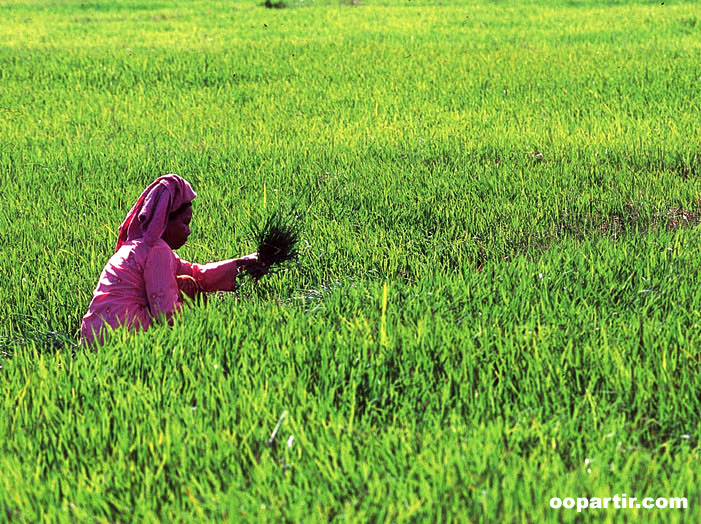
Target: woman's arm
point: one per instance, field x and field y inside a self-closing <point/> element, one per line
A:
<point x="160" y="284"/>
<point x="219" y="276"/>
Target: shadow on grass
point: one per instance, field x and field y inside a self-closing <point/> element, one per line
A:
<point x="25" y="331"/>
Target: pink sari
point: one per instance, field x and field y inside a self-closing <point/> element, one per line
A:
<point x="139" y="284"/>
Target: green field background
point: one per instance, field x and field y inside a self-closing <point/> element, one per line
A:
<point x="497" y="300"/>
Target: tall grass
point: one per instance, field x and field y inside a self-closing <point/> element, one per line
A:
<point x="497" y="298"/>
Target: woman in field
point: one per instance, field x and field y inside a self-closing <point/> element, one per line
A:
<point x="145" y="280"/>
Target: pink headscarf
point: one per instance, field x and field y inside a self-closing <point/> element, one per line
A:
<point x="165" y="195"/>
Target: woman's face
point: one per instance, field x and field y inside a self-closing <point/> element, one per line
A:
<point x="178" y="228"/>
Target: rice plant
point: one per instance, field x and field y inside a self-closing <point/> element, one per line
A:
<point x="277" y="238"/>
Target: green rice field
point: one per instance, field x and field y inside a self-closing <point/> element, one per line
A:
<point x="498" y="299"/>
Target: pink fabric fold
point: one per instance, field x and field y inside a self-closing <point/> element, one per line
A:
<point x="139" y="285"/>
<point x="148" y="218"/>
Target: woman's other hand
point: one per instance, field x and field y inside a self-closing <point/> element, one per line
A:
<point x="188" y="287"/>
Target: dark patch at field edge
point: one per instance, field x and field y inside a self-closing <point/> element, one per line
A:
<point x="274" y="5"/>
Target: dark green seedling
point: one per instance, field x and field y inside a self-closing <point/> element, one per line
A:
<point x="277" y="238"/>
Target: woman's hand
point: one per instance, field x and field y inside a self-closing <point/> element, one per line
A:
<point x="253" y="265"/>
<point x="188" y="287"/>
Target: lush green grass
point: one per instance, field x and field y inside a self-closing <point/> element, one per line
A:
<point x="498" y="299"/>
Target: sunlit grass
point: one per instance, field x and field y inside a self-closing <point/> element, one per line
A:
<point x="497" y="296"/>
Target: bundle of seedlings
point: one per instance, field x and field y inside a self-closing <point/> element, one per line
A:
<point x="277" y="237"/>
